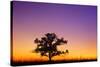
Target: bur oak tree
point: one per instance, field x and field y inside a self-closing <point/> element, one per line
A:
<point x="47" y="45"/>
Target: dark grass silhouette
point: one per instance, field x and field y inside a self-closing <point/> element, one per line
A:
<point x="21" y="63"/>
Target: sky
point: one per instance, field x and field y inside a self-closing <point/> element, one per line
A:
<point x="76" y="23"/>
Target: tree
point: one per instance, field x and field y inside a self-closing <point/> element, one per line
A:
<point x="47" y="46"/>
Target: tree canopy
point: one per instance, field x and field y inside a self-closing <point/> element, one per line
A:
<point x="47" y="45"/>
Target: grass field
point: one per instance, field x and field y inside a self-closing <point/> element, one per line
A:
<point x="21" y="63"/>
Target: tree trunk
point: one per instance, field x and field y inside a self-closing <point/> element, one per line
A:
<point x="49" y="56"/>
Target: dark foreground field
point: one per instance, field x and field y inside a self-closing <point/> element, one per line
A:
<point x="22" y="63"/>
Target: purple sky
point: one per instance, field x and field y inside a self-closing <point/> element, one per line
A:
<point x="69" y="17"/>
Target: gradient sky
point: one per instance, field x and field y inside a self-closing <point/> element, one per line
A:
<point x="76" y="23"/>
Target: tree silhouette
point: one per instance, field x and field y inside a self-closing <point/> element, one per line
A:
<point x="47" y="46"/>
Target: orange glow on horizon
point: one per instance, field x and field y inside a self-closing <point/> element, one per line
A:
<point x="22" y="50"/>
<point x="25" y="54"/>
